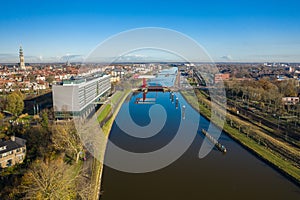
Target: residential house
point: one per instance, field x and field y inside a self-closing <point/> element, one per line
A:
<point x="12" y="152"/>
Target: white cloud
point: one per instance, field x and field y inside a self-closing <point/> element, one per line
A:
<point x="71" y="57"/>
<point x="228" y="57"/>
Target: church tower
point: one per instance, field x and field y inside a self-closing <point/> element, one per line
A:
<point x="21" y="56"/>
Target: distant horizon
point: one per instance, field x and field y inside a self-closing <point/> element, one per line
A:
<point x="134" y="58"/>
<point x="152" y="62"/>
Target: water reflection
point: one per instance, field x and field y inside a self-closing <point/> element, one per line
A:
<point x="236" y="175"/>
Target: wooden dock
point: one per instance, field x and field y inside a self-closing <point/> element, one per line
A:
<point x="219" y="146"/>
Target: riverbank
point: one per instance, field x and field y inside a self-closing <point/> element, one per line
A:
<point x="116" y="102"/>
<point x="252" y="140"/>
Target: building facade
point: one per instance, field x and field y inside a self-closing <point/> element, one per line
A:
<point x="77" y="98"/>
<point x="221" y="77"/>
<point x="12" y="152"/>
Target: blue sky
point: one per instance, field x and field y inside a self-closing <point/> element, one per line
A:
<point x="233" y="30"/>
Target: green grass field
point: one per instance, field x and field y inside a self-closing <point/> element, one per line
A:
<point x="106" y="110"/>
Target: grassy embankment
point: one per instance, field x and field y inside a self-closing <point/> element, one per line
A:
<point x="117" y="101"/>
<point x="115" y="104"/>
<point x="106" y="110"/>
<point x="254" y="144"/>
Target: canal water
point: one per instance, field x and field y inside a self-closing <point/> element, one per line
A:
<point x="235" y="175"/>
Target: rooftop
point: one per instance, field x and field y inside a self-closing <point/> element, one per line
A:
<point x="80" y="79"/>
<point x="8" y="145"/>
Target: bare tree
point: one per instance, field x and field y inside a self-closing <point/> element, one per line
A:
<point x="55" y="180"/>
<point x="65" y="138"/>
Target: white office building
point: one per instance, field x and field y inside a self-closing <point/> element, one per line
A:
<point x="77" y="97"/>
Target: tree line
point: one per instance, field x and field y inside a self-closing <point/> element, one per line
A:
<point x="265" y="94"/>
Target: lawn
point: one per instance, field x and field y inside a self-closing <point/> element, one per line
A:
<point x="105" y="111"/>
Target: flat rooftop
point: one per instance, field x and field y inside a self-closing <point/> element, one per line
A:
<point x="80" y="79"/>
